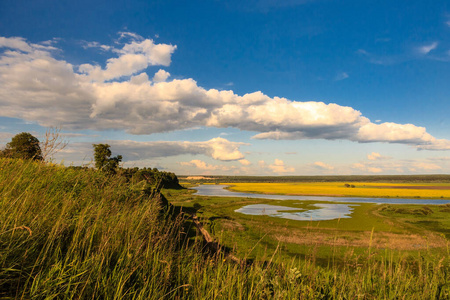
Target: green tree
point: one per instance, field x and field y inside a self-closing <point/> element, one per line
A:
<point x="23" y="145"/>
<point x="103" y="159"/>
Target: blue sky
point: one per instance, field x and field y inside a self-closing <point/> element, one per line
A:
<point x="259" y="87"/>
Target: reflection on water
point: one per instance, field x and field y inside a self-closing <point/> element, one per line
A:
<point x="323" y="213"/>
<point x="220" y="191"/>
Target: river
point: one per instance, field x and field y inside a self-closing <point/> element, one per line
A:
<point x="321" y="211"/>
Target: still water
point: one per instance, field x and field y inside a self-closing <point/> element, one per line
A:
<point x="322" y="211"/>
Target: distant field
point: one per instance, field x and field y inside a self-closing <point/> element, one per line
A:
<point x="351" y="189"/>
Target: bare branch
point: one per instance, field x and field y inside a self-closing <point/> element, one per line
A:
<point x="53" y="143"/>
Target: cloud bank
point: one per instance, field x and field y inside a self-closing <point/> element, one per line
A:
<point x="36" y="86"/>
<point x="217" y="148"/>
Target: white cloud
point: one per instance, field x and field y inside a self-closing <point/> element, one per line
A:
<point x="341" y="76"/>
<point x="279" y="167"/>
<point x="35" y="86"/>
<point x="427" y="48"/>
<point x="161" y="76"/>
<point x="424" y="166"/>
<point x="199" y="164"/>
<point x="366" y="168"/>
<point x="245" y="162"/>
<point x="400" y="133"/>
<point x="133" y="57"/>
<point x="376" y="156"/>
<point x="323" y="166"/>
<point x="87" y="45"/>
<point x="217" y="148"/>
<point x="436" y="144"/>
<point x="373" y="156"/>
<point x="18" y="43"/>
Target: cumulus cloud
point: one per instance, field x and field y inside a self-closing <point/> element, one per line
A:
<point x="161" y="76"/>
<point x="245" y="162"/>
<point x="199" y="164"/>
<point x="323" y="166"/>
<point x="279" y="167"/>
<point x="217" y="148"/>
<point x="35" y="86"/>
<point x="366" y="168"/>
<point x="133" y="57"/>
<point x="376" y="156"/>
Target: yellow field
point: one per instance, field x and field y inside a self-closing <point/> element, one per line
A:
<point x="360" y="189"/>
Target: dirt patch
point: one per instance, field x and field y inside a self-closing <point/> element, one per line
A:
<point x="231" y="225"/>
<point x="379" y="240"/>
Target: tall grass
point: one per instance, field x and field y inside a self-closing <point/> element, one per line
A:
<point x="78" y="234"/>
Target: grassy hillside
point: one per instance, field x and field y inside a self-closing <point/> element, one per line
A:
<point x="76" y="233"/>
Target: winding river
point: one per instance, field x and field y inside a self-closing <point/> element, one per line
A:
<point x="321" y="211"/>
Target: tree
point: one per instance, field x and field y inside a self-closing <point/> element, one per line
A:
<point x="23" y="145"/>
<point x="53" y="143"/>
<point x="103" y="159"/>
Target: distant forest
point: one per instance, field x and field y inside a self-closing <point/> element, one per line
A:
<point x="334" y="178"/>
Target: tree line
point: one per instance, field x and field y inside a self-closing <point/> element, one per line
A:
<point x="26" y="146"/>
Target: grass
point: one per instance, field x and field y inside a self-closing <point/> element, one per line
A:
<point x="78" y="234"/>
<point x="355" y="189"/>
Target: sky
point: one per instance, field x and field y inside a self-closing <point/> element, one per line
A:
<point x="209" y="87"/>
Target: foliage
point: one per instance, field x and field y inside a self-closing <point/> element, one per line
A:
<point x="103" y="159"/>
<point x="152" y="176"/>
<point x="23" y="145"/>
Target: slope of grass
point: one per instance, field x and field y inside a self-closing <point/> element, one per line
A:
<point x="77" y="234"/>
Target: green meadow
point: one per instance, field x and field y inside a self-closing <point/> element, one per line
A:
<point x="72" y="233"/>
<point x="413" y="230"/>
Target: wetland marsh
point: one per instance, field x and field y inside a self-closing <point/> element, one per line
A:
<point x="304" y="219"/>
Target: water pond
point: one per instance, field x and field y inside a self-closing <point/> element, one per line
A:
<point x="323" y="212"/>
<point x="320" y="212"/>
